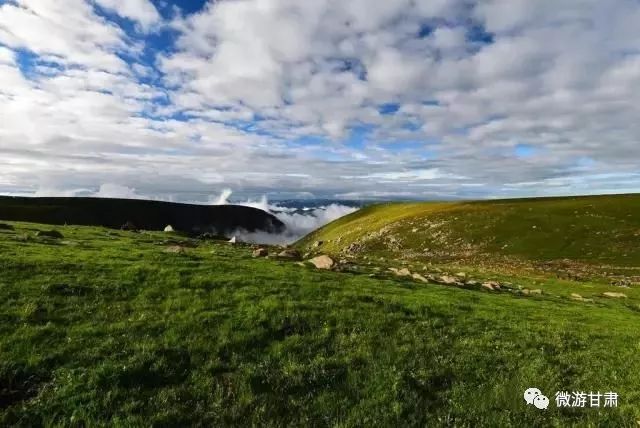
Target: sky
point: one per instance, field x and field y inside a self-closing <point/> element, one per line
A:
<point x="357" y="99"/>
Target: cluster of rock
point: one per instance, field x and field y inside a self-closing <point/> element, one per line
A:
<point x="461" y="280"/>
<point x="291" y="254"/>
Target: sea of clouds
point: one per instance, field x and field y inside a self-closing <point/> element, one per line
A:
<point x="299" y="221"/>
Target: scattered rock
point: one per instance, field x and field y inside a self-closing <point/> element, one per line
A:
<point x="130" y="226"/>
<point x="233" y="240"/>
<point x="169" y="228"/>
<point x="447" y="280"/>
<point x="614" y="295"/>
<point x="49" y="234"/>
<point x="289" y="254"/>
<point x="318" y="244"/>
<point x="4" y="226"/>
<point x="488" y="286"/>
<point x="260" y="252"/>
<point x="419" y="277"/>
<point x="322" y="262"/>
<point x="401" y="272"/>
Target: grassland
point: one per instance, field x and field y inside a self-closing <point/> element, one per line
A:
<point x="112" y="328"/>
<point x="578" y="237"/>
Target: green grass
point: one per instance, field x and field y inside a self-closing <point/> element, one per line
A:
<point x="597" y="234"/>
<point x="107" y="328"/>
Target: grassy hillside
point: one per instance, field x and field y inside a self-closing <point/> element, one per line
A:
<point x="143" y="214"/>
<point x="589" y="235"/>
<point x="116" y="328"/>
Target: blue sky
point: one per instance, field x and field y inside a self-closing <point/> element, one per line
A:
<point x="382" y="99"/>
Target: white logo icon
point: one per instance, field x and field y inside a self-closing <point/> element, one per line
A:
<point x="534" y="396"/>
<point x="541" y="402"/>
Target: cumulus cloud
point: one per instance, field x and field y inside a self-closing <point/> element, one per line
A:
<point x="365" y="98"/>
<point x="142" y="11"/>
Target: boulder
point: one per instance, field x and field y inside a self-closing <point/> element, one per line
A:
<point x="614" y="295"/>
<point x="260" y="252"/>
<point x="289" y="254"/>
<point x="322" y="262"/>
<point x="233" y="240"/>
<point x="4" y="226"/>
<point x="169" y="228"/>
<point x="49" y="234"/>
<point x="401" y="272"/>
<point x="447" y="280"/>
<point x="176" y="249"/>
<point x="488" y="286"/>
<point x="419" y="277"/>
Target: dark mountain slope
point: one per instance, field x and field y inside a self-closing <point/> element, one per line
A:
<point x="148" y="215"/>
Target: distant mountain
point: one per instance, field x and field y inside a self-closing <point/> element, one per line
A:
<point x="144" y="214"/>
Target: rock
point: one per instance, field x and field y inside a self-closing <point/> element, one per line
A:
<point x="614" y="295"/>
<point x="488" y="286"/>
<point x="260" y="252"/>
<point x="49" y="234"/>
<point x="233" y="240"/>
<point x="318" y="244"/>
<point x="419" y="277"/>
<point x="576" y="296"/>
<point x="289" y="254"/>
<point x="4" y="226"/>
<point x="169" y="228"/>
<point x="322" y="262"/>
<point x="401" y="272"/>
<point x="461" y="275"/>
<point x="536" y="291"/>
<point x="176" y="249"/>
<point x="471" y="283"/>
<point x="447" y="280"/>
<point x="130" y="226"/>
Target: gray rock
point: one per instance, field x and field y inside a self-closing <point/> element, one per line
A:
<point x="289" y="254"/>
<point x="322" y="262"/>
<point x="260" y="252"/>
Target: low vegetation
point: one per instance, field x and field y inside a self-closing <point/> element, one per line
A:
<point x="577" y="238"/>
<point x="101" y="327"/>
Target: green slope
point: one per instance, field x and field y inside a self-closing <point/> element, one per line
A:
<point x="591" y="231"/>
<point x="106" y="328"/>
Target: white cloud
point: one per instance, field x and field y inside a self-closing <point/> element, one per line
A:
<point x="284" y="94"/>
<point x="142" y="11"/>
<point x="68" y="31"/>
<point x="111" y="190"/>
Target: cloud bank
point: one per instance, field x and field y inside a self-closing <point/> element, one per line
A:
<point x="357" y="99"/>
<point x="298" y="221"/>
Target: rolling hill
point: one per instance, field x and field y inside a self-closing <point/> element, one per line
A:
<point x="593" y="235"/>
<point x="144" y="214"/>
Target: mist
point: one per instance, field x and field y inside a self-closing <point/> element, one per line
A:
<point x="298" y="221"/>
